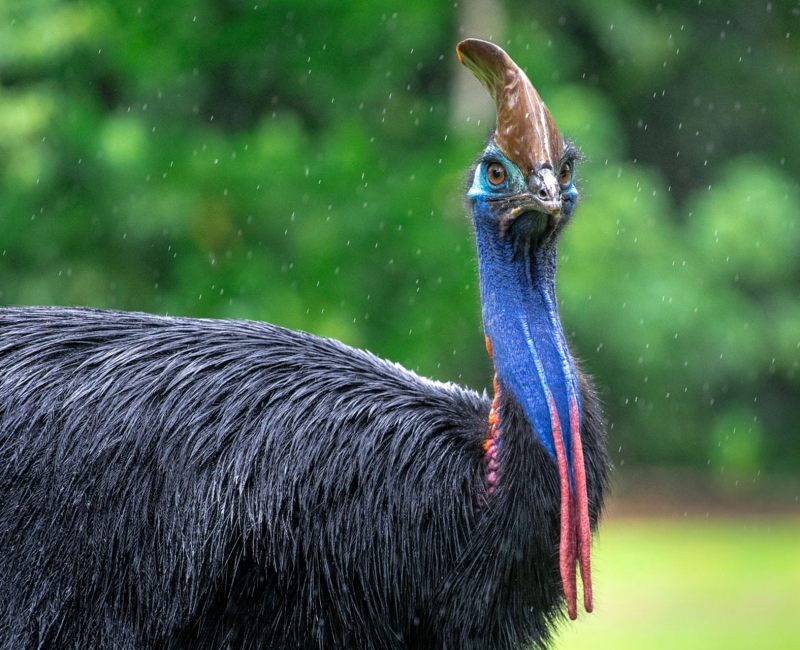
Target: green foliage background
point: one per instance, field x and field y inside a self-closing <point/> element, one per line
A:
<point x="298" y="162"/>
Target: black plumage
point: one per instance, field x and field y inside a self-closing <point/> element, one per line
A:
<point x="171" y="483"/>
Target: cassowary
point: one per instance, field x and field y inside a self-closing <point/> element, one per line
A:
<point x="173" y="483"/>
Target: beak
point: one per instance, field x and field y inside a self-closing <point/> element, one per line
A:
<point x="543" y="196"/>
<point x="545" y="191"/>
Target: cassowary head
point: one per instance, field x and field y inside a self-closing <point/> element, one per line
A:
<point x="526" y="172"/>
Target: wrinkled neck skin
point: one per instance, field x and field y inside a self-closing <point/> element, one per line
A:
<point x="520" y="315"/>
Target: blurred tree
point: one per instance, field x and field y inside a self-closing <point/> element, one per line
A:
<point x="299" y="163"/>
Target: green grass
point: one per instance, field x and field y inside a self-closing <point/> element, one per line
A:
<point x="684" y="584"/>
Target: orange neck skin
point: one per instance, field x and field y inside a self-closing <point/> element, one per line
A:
<point x="491" y="446"/>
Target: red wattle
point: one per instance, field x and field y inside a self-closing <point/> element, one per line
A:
<point x="583" y="532"/>
<point x="576" y="536"/>
<point x="568" y="542"/>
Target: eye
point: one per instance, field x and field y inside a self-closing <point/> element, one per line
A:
<point x="565" y="173"/>
<point x="496" y="174"/>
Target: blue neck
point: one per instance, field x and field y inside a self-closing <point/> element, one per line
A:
<point x="520" y="317"/>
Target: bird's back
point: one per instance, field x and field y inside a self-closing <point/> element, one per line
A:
<point x="169" y="482"/>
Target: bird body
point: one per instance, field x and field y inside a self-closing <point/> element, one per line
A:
<point x="161" y="475"/>
<point x="183" y="483"/>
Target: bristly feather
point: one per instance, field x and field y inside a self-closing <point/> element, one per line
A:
<point x="176" y="483"/>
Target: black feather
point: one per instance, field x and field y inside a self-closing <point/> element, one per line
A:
<point x="181" y="483"/>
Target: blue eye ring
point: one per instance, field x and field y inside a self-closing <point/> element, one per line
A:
<point x="496" y="174"/>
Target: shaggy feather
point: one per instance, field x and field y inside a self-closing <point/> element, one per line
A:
<point x="174" y="483"/>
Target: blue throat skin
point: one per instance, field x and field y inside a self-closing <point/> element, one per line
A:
<point x="517" y="265"/>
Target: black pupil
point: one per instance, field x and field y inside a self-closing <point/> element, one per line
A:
<point x="497" y="172"/>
